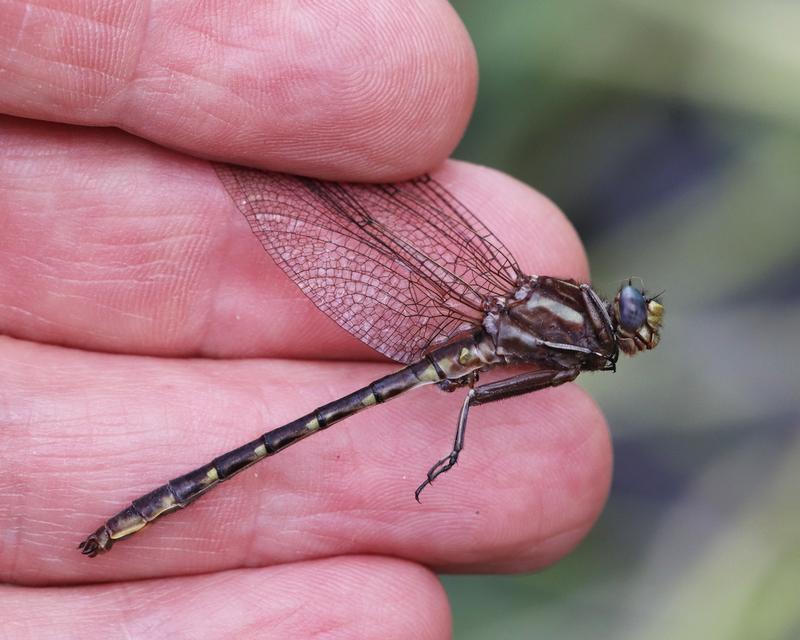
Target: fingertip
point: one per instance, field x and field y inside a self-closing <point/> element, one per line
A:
<point x="362" y="90"/>
<point x="544" y="465"/>
<point x="386" y="96"/>
<point x="346" y="596"/>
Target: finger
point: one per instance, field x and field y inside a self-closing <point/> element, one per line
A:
<point x="380" y="597"/>
<point x="112" y="244"/>
<point x="356" y="90"/>
<point x="84" y="434"/>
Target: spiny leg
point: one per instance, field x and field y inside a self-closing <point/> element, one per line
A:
<point x="449" y="461"/>
<point x="514" y="386"/>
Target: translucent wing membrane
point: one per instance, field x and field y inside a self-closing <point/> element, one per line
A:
<point x="403" y="267"/>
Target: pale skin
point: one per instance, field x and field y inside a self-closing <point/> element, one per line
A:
<point x="131" y="291"/>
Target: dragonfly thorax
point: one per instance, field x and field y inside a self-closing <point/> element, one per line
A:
<point x="552" y="323"/>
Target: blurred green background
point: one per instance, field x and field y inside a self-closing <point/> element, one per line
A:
<point x="670" y="134"/>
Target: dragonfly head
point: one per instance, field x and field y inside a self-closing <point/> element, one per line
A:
<point x="637" y="319"/>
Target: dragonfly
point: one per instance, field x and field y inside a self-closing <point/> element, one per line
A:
<point x="411" y="272"/>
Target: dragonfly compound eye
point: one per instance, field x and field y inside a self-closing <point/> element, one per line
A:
<point x="632" y="308"/>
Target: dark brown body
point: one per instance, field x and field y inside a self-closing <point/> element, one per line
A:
<point x="411" y="272"/>
<point x="559" y="327"/>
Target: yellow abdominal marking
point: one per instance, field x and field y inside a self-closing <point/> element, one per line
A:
<point x="369" y="400"/>
<point x="130" y="527"/>
<point x="167" y="504"/>
<point x="312" y="425"/>
<point x="430" y="374"/>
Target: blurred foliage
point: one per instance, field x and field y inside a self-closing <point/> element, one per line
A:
<point x="670" y="134"/>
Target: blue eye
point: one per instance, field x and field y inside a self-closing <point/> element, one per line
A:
<point x="632" y="308"/>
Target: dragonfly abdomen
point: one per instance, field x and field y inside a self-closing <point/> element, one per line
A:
<point x="181" y="491"/>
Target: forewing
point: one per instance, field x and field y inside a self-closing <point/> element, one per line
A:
<point x="400" y="266"/>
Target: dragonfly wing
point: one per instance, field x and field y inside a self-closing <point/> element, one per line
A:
<point x="400" y="266"/>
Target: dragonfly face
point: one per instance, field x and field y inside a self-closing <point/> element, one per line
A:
<point x="637" y="320"/>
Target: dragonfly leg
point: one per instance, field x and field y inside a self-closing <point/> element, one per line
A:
<point x="449" y="461"/>
<point x="514" y="386"/>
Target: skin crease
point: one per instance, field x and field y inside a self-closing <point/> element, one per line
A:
<point x="145" y="331"/>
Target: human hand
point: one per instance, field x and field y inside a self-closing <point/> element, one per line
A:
<point x="131" y="290"/>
